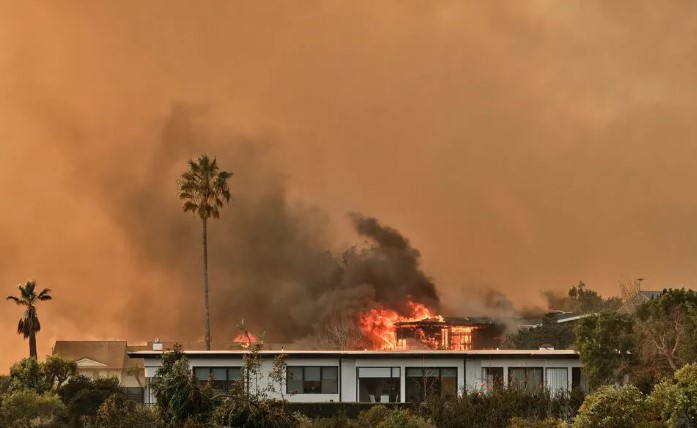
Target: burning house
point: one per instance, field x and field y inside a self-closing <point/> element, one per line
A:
<point x="386" y="329"/>
<point x="455" y="334"/>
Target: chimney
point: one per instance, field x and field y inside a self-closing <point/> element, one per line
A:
<point x="156" y="345"/>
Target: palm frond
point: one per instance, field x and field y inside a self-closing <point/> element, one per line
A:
<point x="44" y="294"/>
<point x="17" y="300"/>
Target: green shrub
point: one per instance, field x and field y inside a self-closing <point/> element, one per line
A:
<point x="373" y="417"/>
<point x="673" y="402"/>
<point x="83" y="397"/>
<point x="402" y="418"/>
<point x="331" y="410"/>
<point x="28" y="374"/>
<point x="28" y="408"/>
<point x="118" y="412"/>
<point x="498" y="408"/>
<point x="613" y="407"/>
<point x="536" y="423"/>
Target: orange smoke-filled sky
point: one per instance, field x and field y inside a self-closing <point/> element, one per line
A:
<point x="520" y="146"/>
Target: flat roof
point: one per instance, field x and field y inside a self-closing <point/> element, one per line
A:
<point x="476" y="354"/>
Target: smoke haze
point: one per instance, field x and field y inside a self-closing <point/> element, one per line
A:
<point x="521" y="147"/>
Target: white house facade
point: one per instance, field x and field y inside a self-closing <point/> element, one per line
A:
<point x="383" y="376"/>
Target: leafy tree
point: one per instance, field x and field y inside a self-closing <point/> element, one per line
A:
<point x="28" y="374"/>
<point x="667" y="331"/>
<point x="4" y="384"/>
<point x="83" y="396"/>
<point x="605" y="344"/>
<point x="57" y="369"/>
<point x="613" y="407"/>
<point x="203" y="188"/>
<point x="29" y="324"/>
<point x="73" y="386"/>
<point x="674" y="401"/>
<point x="28" y="408"/>
<point x="581" y="299"/>
<point x="560" y="336"/>
<point x="179" y="396"/>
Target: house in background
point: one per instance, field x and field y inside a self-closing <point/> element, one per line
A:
<point x="107" y="358"/>
<point x="632" y="302"/>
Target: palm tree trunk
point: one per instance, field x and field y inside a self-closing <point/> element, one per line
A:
<point x="32" y="345"/>
<point x="205" y="284"/>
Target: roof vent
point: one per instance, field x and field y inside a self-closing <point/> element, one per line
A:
<point x="156" y="345"/>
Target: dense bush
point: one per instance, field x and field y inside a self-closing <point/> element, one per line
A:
<point x="180" y="399"/>
<point x="536" y="423"/>
<point x="674" y="401"/>
<point x="613" y="407"/>
<point x="29" y="374"/>
<point x="84" y="396"/>
<point x="241" y="411"/>
<point x="498" y="408"/>
<point x="330" y="410"/>
<point x="28" y="408"/>
<point x="117" y="412"/>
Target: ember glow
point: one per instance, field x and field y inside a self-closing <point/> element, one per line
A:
<point x="245" y="339"/>
<point x="378" y="325"/>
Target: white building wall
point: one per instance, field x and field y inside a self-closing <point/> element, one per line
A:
<point x="469" y="371"/>
<point x="474" y="375"/>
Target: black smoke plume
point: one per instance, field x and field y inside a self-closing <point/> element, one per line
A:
<point x="270" y="261"/>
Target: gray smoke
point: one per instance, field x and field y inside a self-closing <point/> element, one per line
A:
<point x="270" y="262"/>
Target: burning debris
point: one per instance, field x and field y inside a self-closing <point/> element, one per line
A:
<point x="422" y="329"/>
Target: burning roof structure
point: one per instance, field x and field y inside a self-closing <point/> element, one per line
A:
<point x="455" y="334"/>
<point x="423" y="329"/>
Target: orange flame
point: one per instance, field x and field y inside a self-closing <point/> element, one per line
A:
<point x="378" y="325"/>
<point x="245" y="339"/>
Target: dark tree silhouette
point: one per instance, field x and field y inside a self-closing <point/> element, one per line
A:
<point x="29" y="324"/>
<point x="204" y="190"/>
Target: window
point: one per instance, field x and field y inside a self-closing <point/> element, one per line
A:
<point x="379" y="384"/>
<point x="578" y="380"/>
<point x="223" y="379"/>
<point x="557" y="380"/>
<point x="529" y="378"/>
<point x="492" y="378"/>
<point x="312" y="380"/>
<point x="431" y="382"/>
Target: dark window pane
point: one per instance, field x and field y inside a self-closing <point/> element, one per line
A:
<point x="202" y="373"/>
<point x="234" y="373"/>
<point x="312" y="373"/>
<point x="493" y="377"/>
<point x="448" y="383"/>
<point x="294" y="380"/>
<point x="415" y="372"/>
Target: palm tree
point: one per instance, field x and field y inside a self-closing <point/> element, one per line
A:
<point x="203" y="187"/>
<point x="29" y="324"/>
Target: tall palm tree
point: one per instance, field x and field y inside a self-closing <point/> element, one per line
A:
<point x="203" y="188"/>
<point x="29" y="324"/>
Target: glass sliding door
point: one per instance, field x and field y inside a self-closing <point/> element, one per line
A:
<point x="379" y="384"/>
<point x="430" y="383"/>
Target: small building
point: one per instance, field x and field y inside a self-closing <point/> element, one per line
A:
<point x="106" y="358"/>
<point x="640" y="297"/>
<point x="383" y="376"/>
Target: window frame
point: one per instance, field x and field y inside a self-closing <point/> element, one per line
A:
<point x="423" y="377"/>
<point x="322" y="379"/>
<point x="228" y="381"/>
<point x="527" y="385"/>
